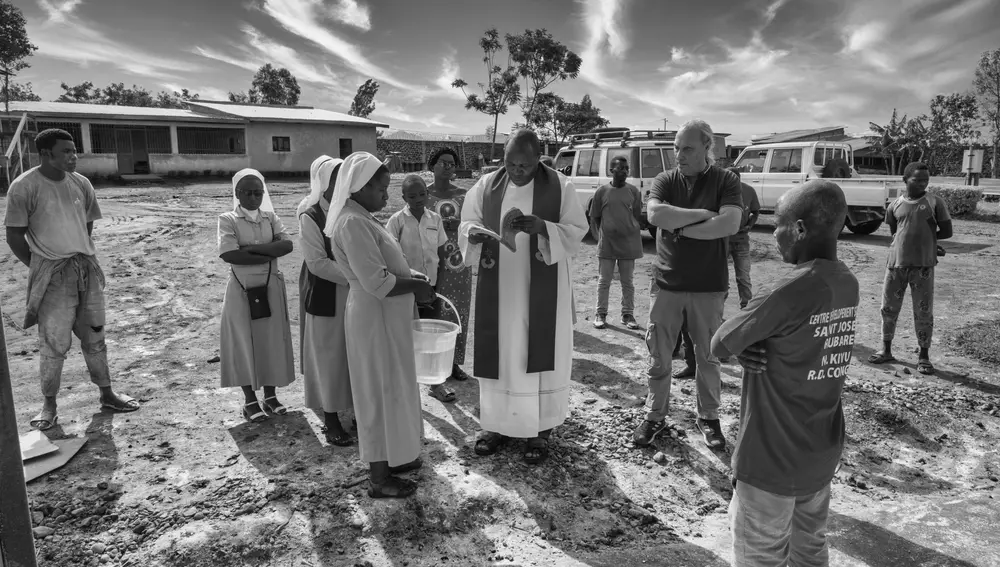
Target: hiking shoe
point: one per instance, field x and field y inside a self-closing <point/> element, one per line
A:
<point x="711" y="430"/>
<point x="600" y="321"/>
<point x="629" y="321"/>
<point x="687" y="372"/>
<point x="647" y="431"/>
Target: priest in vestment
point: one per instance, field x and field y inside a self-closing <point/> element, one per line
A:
<point x="523" y="332"/>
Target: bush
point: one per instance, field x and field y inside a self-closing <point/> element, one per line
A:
<point x="961" y="199"/>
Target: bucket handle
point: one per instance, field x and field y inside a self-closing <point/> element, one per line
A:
<point x="458" y="317"/>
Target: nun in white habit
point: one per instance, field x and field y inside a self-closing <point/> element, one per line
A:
<point x="255" y="343"/>
<point x="323" y="297"/>
<point x="378" y="325"/>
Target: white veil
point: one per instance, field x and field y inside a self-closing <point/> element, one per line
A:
<point x="266" y="204"/>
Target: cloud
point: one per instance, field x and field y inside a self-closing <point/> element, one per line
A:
<point x="58" y="12"/>
<point x="83" y="42"/>
<point x="219" y="56"/>
<point x="867" y="40"/>
<point x="771" y="11"/>
<point x="394" y="112"/>
<point x="449" y="72"/>
<point x="301" y="17"/>
<point x="604" y="31"/>
<point x="353" y="14"/>
<point x="204" y="93"/>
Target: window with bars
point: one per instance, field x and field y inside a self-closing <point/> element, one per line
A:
<point x="105" y="138"/>
<point x="281" y="144"/>
<point x="73" y="128"/>
<point x="211" y="140"/>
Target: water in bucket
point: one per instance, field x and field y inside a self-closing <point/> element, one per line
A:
<point x="434" y="349"/>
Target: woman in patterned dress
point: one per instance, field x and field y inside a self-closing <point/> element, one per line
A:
<point x="454" y="277"/>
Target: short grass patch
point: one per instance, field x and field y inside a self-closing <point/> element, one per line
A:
<point x="980" y="341"/>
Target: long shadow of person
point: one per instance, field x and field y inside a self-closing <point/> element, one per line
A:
<point x="879" y="547"/>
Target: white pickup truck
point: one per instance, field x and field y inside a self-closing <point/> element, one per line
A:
<point x="773" y="169"/>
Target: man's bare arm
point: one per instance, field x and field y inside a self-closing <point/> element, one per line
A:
<point x="669" y="217"/>
<point x="726" y="223"/>
<point x="19" y="243"/>
<point x="90" y="228"/>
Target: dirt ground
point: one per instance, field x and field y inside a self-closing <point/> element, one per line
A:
<point x="186" y="481"/>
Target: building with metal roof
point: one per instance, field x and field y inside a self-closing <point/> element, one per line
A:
<point x="207" y="137"/>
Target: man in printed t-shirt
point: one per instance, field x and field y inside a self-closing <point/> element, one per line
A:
<point x="795" y="340"/>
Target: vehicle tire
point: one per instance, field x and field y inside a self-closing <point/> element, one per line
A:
<point x="865" y="227"/>
<point x="652" y="231"/>
<point x="836" y="169"/>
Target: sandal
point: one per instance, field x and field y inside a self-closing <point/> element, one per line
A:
<point x="123" y="404"/>
<point x="489" y="443"/>
<point x="443" y="394"/>
<point x="536" y="451"/>
<point x="46" y="419"/>
<point x="343" y="440"/>
<point x="924" y="366"/>
<point x="458" y="374"/>
<point x="257" y="416"/>
<point x="393" y="487"/>
<point x="410" y="466"/>
<point x="276" y="408"/>
<point x="881" y="358"/>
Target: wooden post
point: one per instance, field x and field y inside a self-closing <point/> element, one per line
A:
<point x="17" y="544"/>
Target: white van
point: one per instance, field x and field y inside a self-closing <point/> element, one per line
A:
<point x="587" y="158"/>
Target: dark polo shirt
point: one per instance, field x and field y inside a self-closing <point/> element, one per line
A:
<point x="688" y="264"/>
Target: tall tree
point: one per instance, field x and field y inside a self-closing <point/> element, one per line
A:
<point x="175" y="99"/>
<point x="14" y="46"/>
<point x="84" y="92"/>
<point x="364" y="100"/>
<point x="500" y="89"/>
<point x="276" y="86"/>
<point x="562" y="119"/>
<point x="951" y="125"/>
<point x="541" y="61"/>
<point x="243" y="97"/>
<point x="17" y="91"/>
<point x="888" y="139"/>
<point x="987" y="85"/>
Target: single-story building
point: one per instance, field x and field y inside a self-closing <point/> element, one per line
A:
<point x="204" y="138"/>
<point x="864" y="157"/>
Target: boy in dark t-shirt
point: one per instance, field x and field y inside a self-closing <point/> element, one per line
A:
<point x="917" y="221"/>
<point x="615" y="213"/>
<point x="795" y="340"/>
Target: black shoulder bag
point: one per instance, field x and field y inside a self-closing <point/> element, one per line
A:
<point x="257" y="296"/>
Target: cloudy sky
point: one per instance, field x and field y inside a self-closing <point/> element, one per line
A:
<point x="748" y="67"/>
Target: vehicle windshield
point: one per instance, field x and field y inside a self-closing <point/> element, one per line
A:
<point x="752" y="161"/>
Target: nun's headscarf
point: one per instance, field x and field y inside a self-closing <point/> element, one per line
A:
<point x="356" y="171"/>
<point x="319" y="180"/>
<point x="265" y="205"/>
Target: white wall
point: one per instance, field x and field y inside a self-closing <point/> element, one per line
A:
<point x="166" y="164"/>
<point x="97" y="165"/>
<point x="308" y="141"/>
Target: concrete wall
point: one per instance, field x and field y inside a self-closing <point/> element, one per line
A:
<point x="97" y="165"/>
<point x="196" y="164"/>
<point x="308" y="141"/>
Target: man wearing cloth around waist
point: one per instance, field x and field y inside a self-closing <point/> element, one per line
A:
<point x="697" y="207"/>
<point x="51" y="211"/>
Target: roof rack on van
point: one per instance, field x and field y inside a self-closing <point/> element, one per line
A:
<point x="620" y="135"/>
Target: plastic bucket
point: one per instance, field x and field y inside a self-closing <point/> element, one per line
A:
<point x="434" y="349"/>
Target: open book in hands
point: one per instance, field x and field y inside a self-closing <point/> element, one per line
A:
<point x="507" y="231"/>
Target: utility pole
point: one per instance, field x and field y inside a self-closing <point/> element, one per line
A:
<point x="665" y="123"/>
<point x="17" y="543"/>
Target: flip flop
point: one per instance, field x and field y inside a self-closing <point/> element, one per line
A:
<point x="44" y="420"/>
<point x="128" y="404"/>
<point x="881" y="358"/>
<point x="443" y="394"/>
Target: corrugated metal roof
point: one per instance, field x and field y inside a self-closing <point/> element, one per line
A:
<point x="791" y="135"/>
<point x="264" y="113"/>
<point x="57" y="109"/>
<point x="392" y="134"/>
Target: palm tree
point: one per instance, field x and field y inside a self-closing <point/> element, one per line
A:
<point x="888" y="139"/>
